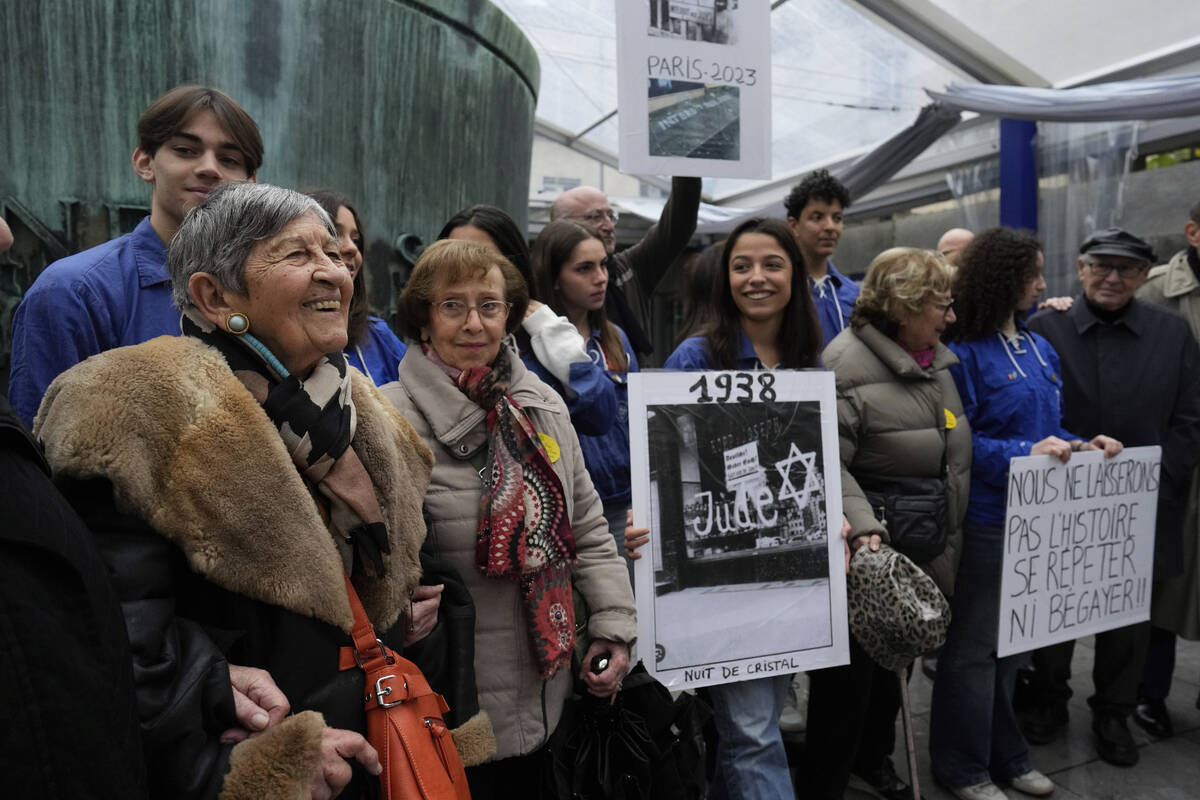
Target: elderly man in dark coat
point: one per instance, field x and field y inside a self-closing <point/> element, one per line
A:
<point x="1132" y="370"/>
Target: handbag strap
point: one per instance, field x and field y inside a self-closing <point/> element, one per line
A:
<point x="363" y="632"/>
<point x="404" y="679"/>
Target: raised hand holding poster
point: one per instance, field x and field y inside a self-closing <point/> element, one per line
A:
<point x="694" y="87"/>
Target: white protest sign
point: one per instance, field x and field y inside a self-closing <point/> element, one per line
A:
<point x="694" y="87"/>
<point x="1078" y="546"/>
<point x="737" y="475"/>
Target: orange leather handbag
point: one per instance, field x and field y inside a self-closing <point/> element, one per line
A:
<point x="404" y="719"/>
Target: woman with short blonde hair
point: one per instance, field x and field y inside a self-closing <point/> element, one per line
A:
<point x="903" y="435"/>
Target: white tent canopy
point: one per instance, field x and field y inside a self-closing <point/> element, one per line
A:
<point x="849" y="74"/>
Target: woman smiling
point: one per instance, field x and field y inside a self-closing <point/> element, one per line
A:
<point x="510" y="505"/>
<point x="904" y="440"/>
<point x="764" y="319"/>
<point x="233" y="477"/>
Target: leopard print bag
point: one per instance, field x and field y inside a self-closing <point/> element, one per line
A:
<point x="896" y="611"/>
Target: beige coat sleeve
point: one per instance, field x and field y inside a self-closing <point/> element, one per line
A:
<point x="600" y="572"/>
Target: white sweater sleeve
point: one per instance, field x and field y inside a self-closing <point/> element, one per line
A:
<point x="556" y="342"/>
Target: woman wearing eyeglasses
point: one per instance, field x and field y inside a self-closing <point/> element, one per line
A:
<point x="510" y="506"/>
<point x="1008" y="378"/>
<point x="904" y="440"/>
<point x="547" y="343"/>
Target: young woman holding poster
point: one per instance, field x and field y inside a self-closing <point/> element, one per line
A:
<point x="764" y="319"/>
<point x="1008" y="378"/>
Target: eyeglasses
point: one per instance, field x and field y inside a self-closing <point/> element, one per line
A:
<point x="458" y="311"/>
<point x="945" y="307"/>
<point x="1101" y="270"/>
<point x="595" y="217"/>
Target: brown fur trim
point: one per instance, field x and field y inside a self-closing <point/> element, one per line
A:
<point x="189" y="451"/>
<point x="399" y="463"/>
<point x="279" y="763"/>
<point x="475" y="740"/>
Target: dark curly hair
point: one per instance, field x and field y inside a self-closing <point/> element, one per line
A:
<point x="800" y="337"/>
<point x="996" y="266"/>
<point x="817" y="185"/>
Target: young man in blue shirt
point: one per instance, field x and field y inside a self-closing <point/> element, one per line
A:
<point x="116" y="294"/>
<point x="814" y="209"/>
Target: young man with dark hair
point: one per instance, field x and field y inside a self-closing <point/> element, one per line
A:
<point x="189" y="140"/>
<point x="814" y="208"/>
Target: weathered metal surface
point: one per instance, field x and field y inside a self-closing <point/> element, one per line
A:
<point x="413" y="108"/>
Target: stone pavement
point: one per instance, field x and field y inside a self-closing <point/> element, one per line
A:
<point x="1169" y="769"/>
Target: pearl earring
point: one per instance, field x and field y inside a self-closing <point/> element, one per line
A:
<point x="237" y="323"/>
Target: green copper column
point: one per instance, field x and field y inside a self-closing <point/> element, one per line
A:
<point x="414" y="108"/>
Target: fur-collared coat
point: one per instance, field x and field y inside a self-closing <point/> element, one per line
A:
<point x="219" y="555"/>
<point x="523" y="708"/>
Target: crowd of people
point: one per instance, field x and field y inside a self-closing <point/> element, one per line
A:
<point x="211" y="433"/>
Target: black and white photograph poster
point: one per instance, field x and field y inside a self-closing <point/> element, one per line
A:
<point x="694" y="87"/>
<point x="737" y="475"/>
<point x="1078" y="546"/>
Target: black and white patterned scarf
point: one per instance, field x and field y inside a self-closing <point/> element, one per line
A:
<point x="315" y="418"/>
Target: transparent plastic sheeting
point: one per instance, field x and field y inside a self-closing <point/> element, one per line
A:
<point x="738" y="477"/>
<point x="1142" y="98"/>
<point x="840" y="82"/>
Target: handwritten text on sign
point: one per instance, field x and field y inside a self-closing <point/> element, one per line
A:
<point x="1078" y="546"/>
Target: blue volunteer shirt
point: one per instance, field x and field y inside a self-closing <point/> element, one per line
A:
<point x="693" y="354"/>
<point x="1012" y="397"/>
<point x="607" y="455"/>
<point x="378" y="356"/>
<point x="113" y="295"/>
<point x="834" y="298"/>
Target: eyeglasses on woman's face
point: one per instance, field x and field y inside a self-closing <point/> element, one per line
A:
<point x="458" y="310"/>
<point x="945" y="307"/>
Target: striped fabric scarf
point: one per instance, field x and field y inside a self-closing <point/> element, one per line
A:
<point x="523" y="534"/>
<point x="316" y="421"/>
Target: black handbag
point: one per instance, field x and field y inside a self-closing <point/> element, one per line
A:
<point x="916" y="512"/>
<point x="643" y="746"/>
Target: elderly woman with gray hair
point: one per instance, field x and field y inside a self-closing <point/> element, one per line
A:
<point x="232" y="477"/>
<point x="906" y="459"/>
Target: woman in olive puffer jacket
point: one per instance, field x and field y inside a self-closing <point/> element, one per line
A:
<point x="899" y="418"/>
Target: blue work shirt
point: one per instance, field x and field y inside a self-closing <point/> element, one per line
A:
<point x="113" y="295"/>
<point x="378" y="356"/>
<point x="1013" y="400"/>
<point x="693" y="354"/>
<point x="834" y="298"/>
<point x="590" y="395"/>
<point x="607" y="456"/>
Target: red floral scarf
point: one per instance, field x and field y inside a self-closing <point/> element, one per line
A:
<point x="524" y="534"/>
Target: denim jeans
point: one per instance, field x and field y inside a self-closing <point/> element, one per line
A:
<point x="751" y="762"/>
<point x="974" y="736"/>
